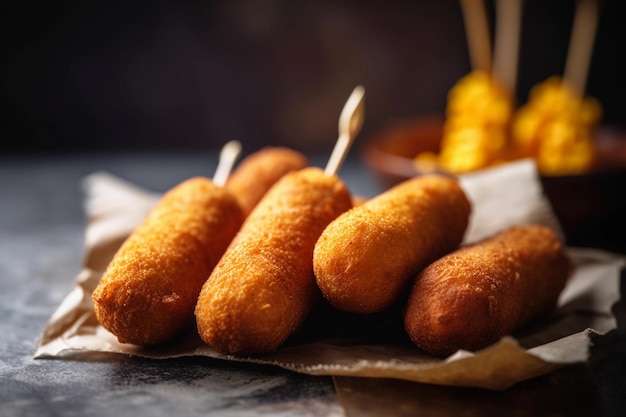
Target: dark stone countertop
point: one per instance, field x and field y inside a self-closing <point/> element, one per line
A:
<point x="41" y="243"/>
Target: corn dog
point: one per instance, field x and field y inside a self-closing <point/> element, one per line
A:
<point x="474" y="296"/>
<point x="259" y="171"/>
<point x="149" y="290"/>
<point x="366" y="257"/>
<point x="263" y="287"/>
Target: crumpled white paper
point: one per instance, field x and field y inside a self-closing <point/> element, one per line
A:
<point x="334" y="344"/>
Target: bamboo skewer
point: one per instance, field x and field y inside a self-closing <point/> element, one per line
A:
<point x="477" y="32"/>
<point x="350" y="123"/>
<point x="228" y="155"/>
<point x="506" y="45"/>
<point x="581" y="45"/>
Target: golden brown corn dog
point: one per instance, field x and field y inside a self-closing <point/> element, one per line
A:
<point x="474" y="296"/>
<point x="263" y="287"/>
<point x="367" y="256"/>
<point x="148" y="292"/>
<point x="259" y="171"/>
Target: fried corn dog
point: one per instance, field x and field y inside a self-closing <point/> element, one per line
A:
<point x="148" y="292"/>
<point x="259" y="171"/>
<point x="366" y="257"/>
<point x="474" y="296"/>
<point x="263" y="287"/>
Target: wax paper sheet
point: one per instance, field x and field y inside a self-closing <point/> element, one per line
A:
<point x="338" y="344"/>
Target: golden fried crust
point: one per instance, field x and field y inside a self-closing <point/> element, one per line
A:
<point x="263" y="287"/>
<point x="474" y="296"/>
<point x="367" y="256"/>
<point x="259" y="171"/>
<point x="149" y="290"/>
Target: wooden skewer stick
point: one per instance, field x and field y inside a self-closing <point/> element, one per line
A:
<point x="229" y="154"/>
<point x="477" y="32"/>
<point x="506" y="47"/>
<point x="581" y="45"/>
<point x="350" y="123"/>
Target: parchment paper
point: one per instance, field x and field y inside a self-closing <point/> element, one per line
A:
<point x="333" y="343"/>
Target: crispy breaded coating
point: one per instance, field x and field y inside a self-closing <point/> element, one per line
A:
<point x="365" y="258"/>
<point x="259" y="171"/>
<point x="474" y="296"/>
<point x="263" y="287"/>
<point x="148" y="292"/>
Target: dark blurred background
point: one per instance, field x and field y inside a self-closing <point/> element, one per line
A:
<point x="191" y="75"/>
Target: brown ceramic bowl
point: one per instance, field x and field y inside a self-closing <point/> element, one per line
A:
<point x="591" y="207"/>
